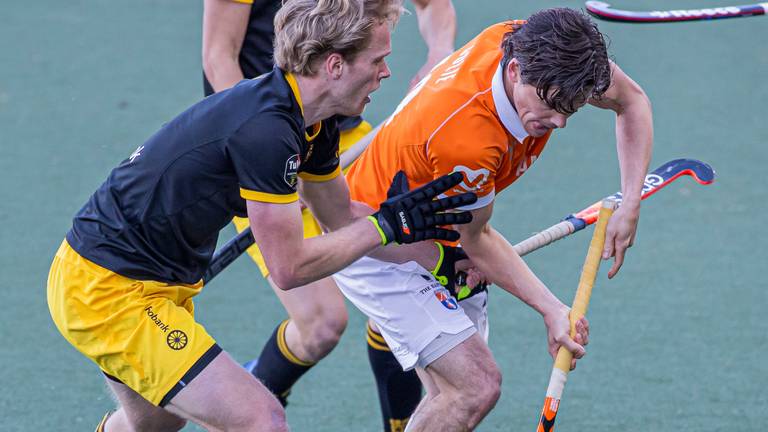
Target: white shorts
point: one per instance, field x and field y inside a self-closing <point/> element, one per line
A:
<point x="410" y="307"/>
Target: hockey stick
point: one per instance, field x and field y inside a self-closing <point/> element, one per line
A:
<point x="654" y="181"/>
<point x="606" y="12"/>
<point x="580" y="303"/>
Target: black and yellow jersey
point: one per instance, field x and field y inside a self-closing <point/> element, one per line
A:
<point x="257" y="51"/>
<point x="158" y="214"/>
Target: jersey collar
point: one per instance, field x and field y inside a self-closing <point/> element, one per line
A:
<point x="297" y="94"/>
<point x="504" y="107"/>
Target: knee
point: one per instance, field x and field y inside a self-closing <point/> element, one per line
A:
<point x="275" y="421"/>
<point x="485" y="389"/>
<point x="269" y="417"/>
<point x="323" y="335"/>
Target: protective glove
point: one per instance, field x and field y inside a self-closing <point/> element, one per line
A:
<point x="413" y="216"/>
<point x="445" y="273"/>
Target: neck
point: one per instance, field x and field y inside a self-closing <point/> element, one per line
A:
<point x="315" y="98"/>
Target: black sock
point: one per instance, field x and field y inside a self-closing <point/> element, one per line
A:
<point x="278" y="367"/>
<point x="399" y="391"/>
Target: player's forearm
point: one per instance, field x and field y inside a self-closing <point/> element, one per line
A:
<point x="329" y="202"/>
<point x="425" y="253"/>
<point x="437" y="25"/>
<point x="224" y="27"/>
<point x="222" y="70"/>
<point x="322" y="256"/>
<point x="496" y="258"/>
<point x="634" y="144"/>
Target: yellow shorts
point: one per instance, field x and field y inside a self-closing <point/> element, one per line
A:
<point x="311" y="227"/>
<point x="141" y="333"/>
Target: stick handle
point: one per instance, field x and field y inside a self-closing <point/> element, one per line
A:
<point x="541" y="239"/>
<point x="562" y="365"/>
<point x="228" y="253"/>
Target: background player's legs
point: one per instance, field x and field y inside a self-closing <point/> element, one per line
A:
<point x="465" y="385"/>
<point x="317" y="318"/>
<point x="399" y="391"/>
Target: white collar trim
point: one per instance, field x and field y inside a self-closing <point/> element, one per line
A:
<point x="504" y="107"/>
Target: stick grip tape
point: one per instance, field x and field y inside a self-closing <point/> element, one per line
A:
<point x="587" y="280"/>
<point x="549" y="235"/>
<point x="562" y="365"/>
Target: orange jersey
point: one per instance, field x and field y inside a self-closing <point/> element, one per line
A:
<point x="458" y="118"/>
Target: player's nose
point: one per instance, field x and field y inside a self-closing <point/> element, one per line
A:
<point x="384" y="72"/>
<point x="560" y="120"/>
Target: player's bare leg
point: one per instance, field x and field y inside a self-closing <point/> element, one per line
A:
<point x="468" y="384"/>
<point x="430" y="388"/>
<point x="318" y="317"/>
<point x="222" y="397"/>
<point x="225" y="397"/>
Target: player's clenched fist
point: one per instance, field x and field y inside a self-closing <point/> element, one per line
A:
<point x="412" y="216"/>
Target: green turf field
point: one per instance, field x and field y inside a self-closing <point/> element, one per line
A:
<point x="679" y="338"/>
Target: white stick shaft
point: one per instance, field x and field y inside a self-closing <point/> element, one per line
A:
<point x="549" y="235"/>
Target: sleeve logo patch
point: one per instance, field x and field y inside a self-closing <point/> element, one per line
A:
<point x="473" y="179"/>
<point x="291" y="170"/>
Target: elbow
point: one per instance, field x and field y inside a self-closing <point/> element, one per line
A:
<point x="210" y="62"/>
<point x="285" y="280"/>
<point x="643" y="98"/>
<point x="638" y="96"/>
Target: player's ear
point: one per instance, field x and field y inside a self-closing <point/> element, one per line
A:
<point x="334" y="65"/>
<point x="513" y="70"/>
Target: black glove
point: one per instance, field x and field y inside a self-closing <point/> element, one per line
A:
<point x="445" y="273"/>
<point x="412" y="216"/>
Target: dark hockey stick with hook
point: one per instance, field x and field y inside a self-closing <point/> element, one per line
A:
<point x="604" y="11"/>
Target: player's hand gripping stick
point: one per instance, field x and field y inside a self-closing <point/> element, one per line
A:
<point x="578" y="310"/>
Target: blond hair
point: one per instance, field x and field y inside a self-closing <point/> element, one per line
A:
<point x="307" y="30"/>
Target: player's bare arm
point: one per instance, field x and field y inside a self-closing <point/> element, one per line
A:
<point x="496" y="258"/>
<point x="634" y="143"/>
<point x="437" y="25"/>
<point x="294" y="261"/>
<point x="224" y="25"/>
<point x="329" y="202"/>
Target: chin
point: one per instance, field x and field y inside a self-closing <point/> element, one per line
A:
<point x="356" y="111"/>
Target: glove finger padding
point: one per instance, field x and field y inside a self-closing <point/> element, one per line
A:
<point x="439" y="219"/>
<point x="441" y="234"/>
<point x="460" y="200"/>
<point x="415" y="216"/>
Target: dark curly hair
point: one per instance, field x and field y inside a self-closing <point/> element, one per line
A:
<point x="562" y="53"/>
